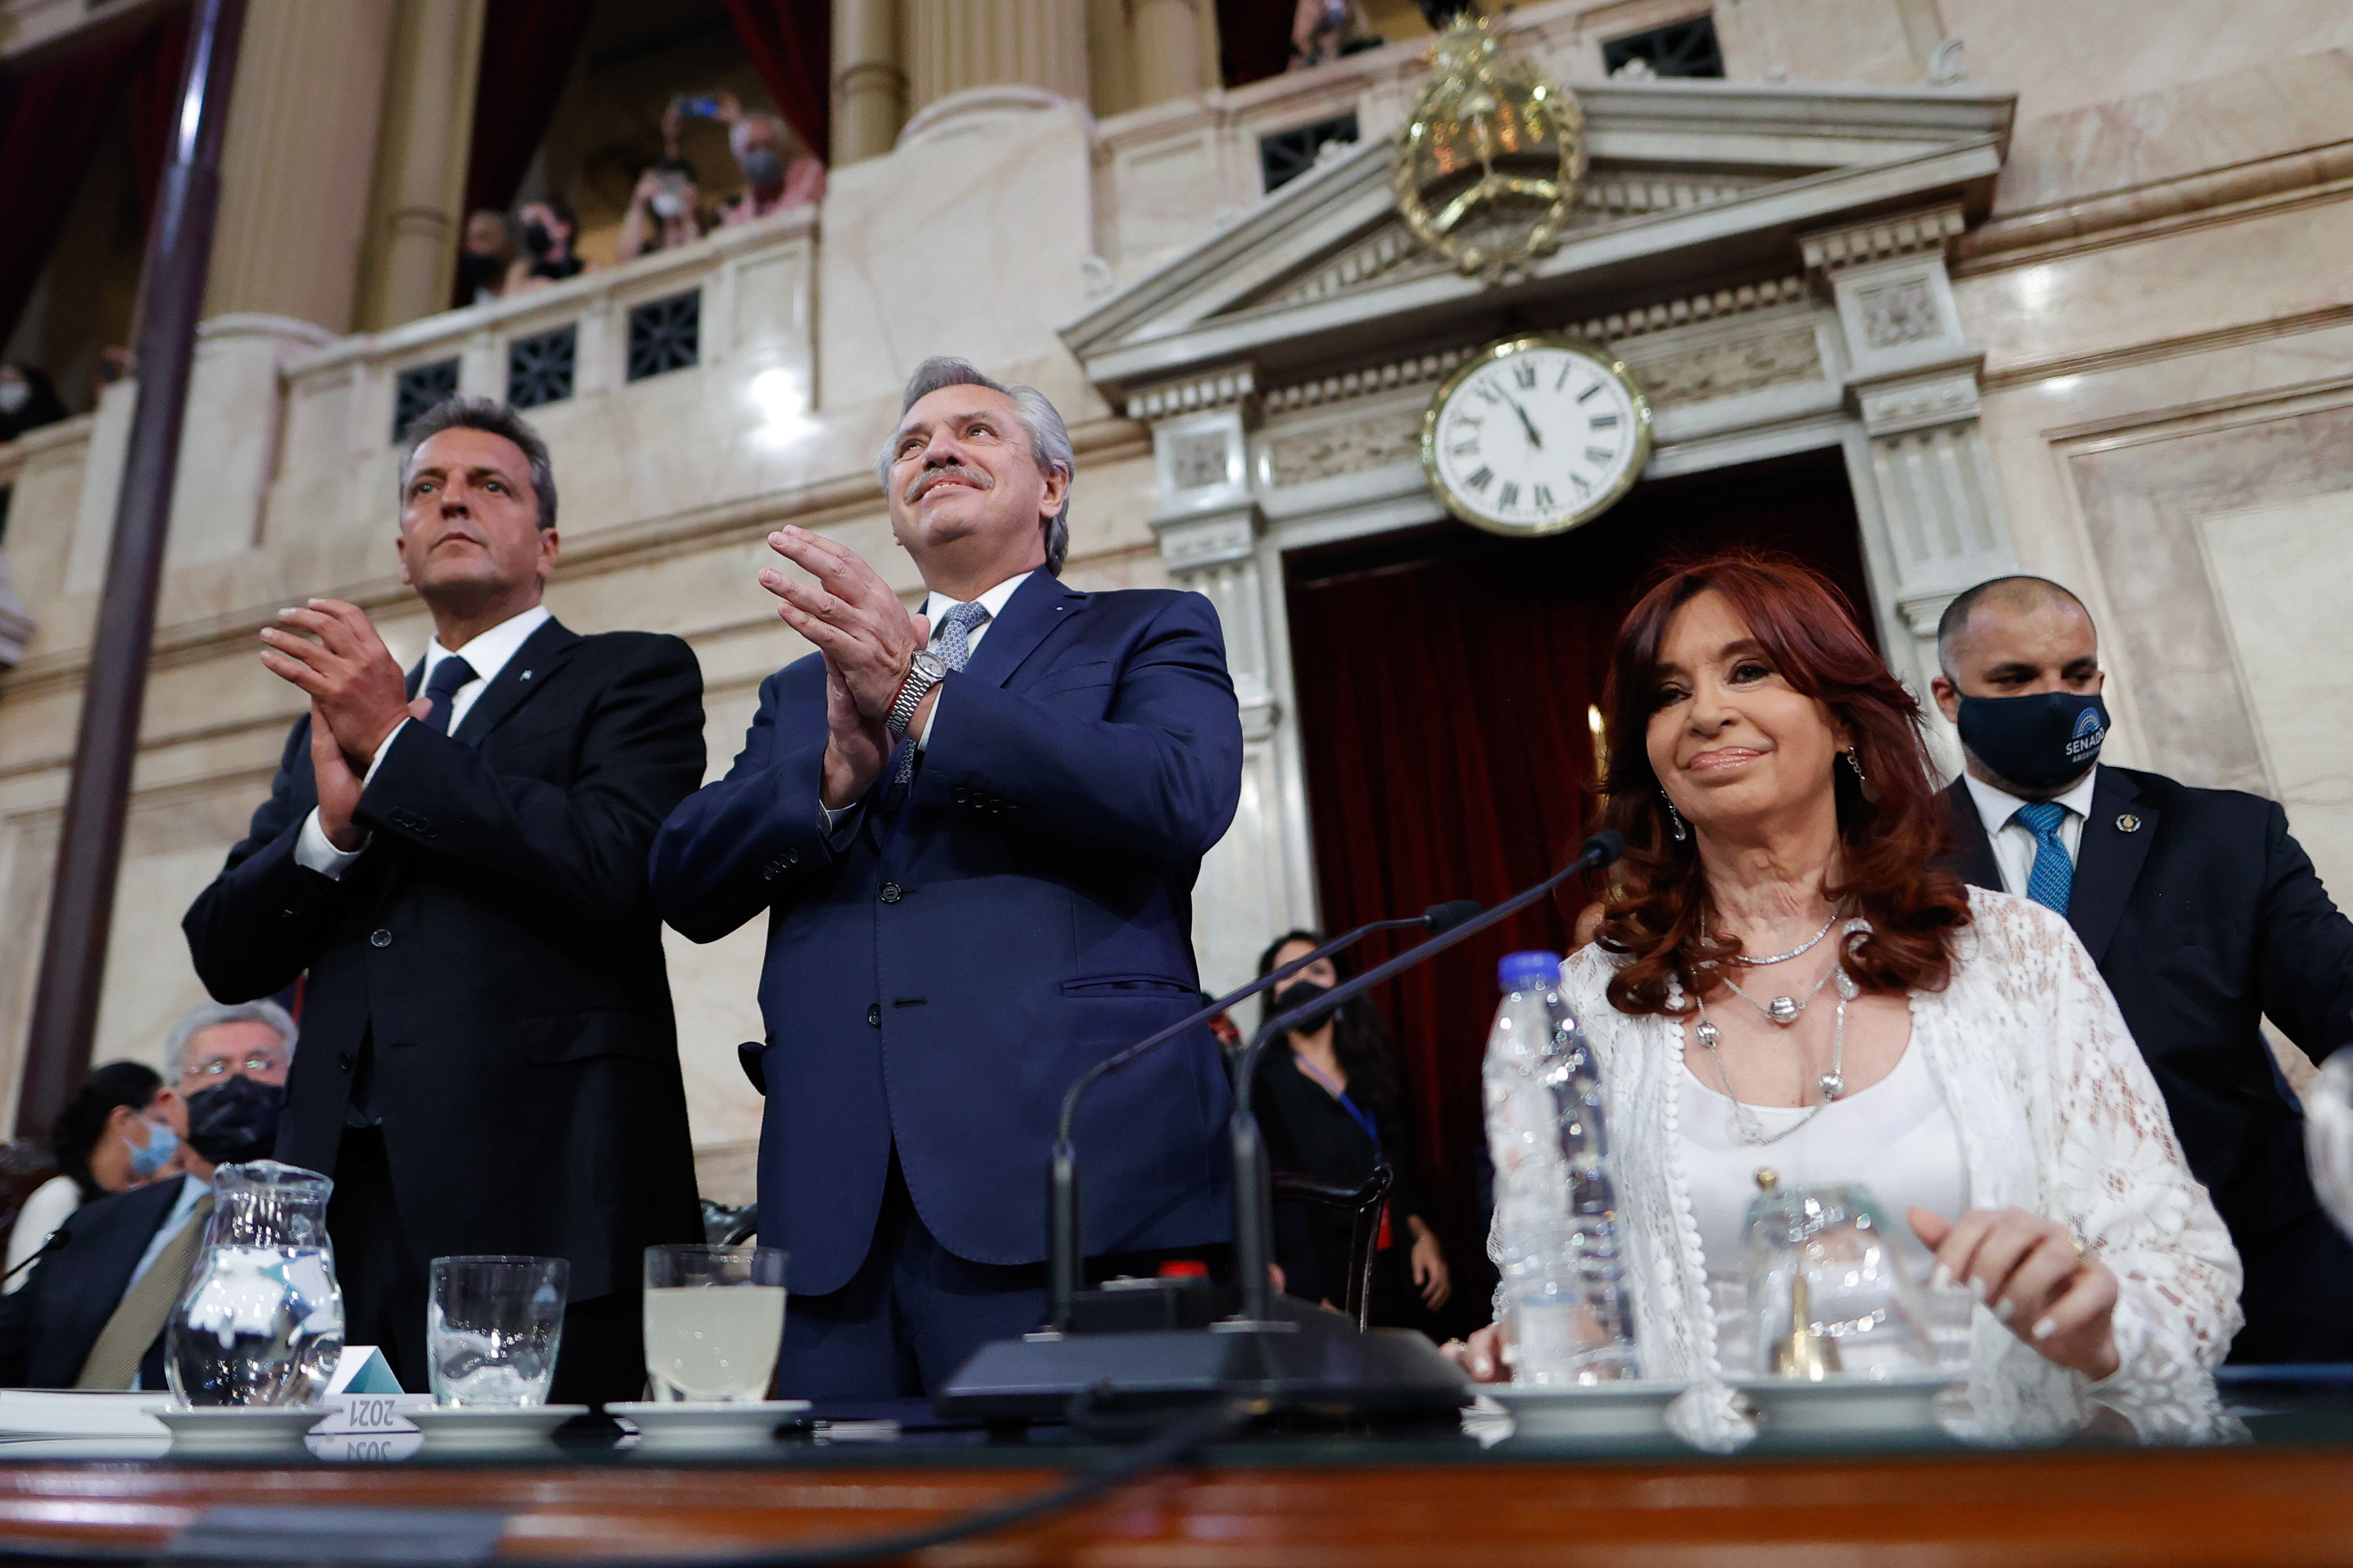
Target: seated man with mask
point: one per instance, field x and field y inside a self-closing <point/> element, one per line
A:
<point x="92" y="1313"/>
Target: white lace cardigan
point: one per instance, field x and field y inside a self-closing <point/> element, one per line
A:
<point x="2058" y="1115"/>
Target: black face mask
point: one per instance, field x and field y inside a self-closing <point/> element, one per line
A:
<point x="235" y="1121"/>
<point x="1303" y="993"/>
<point x="536" y="239"/>
<point x="477" y="272"/>
<point x="2042" y="741"/>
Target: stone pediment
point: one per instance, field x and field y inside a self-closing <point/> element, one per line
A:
<point x="1693" y="186"/>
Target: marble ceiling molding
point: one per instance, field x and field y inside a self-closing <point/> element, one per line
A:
<point x="1646" y="320"/>
<point x="1882" y="239"/>
<point x="1728" y="367"/>
<point x="1371" y="441"/>
<point x="2161" y="207"/>
<point x="1225" y="388"/>
<point x="1363" y="382"/>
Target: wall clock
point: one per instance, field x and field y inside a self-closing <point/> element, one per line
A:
<point x="1535" y="433"/>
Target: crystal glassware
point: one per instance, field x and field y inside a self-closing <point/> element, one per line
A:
<point x="2328" y="1138"/>
<point x="492" y="1328"/>
<point x="261" y="1320"/>
<point x="1828" y="1293"/>
<point x="714" y="1321"/>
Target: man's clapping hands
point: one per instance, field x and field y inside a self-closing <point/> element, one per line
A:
<point x="358" y="697"/>
<point x="855" y="619"/>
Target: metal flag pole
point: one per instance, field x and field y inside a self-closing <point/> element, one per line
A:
<point x="171" y="298"/>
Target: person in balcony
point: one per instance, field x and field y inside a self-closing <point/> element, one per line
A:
<point x="1324" y="30"/>
<point x="665" y="211"/>
<point x="549" y="230"/>
<point x="485" y="257"/>
<point x="28" y="399"/>
<point x="779" y="172"/>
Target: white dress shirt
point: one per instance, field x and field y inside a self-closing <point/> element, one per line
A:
<point x="2013" y="844"/>
<point x="937" y="605"/>
<point x="489" y="653"/>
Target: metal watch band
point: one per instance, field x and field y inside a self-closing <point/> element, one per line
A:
<point x="923" y="674"/>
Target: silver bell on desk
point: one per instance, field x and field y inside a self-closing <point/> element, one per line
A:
<point x="1827" y="1295"/>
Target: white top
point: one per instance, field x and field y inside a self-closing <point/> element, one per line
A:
<point x="50" y="1205"/>
<point x="2056" y="1113"/>
<point x="489" y="653"/>
<point x="1896" y="1139"/>
<point x="2013" y="843"/>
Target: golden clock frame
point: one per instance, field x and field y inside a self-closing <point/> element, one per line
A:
<point x="1502" y="349"/>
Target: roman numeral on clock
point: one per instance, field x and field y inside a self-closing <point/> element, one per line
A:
<point x="1464" y="449"/>
<point x="1603" y="421"/>
<point x="1589" y="392"/>
<point x="1525" y="374"/>
<point x="1542" y="497"/>
<point x="1599" y="454"/>
<point x="1509" y="495"/>
<point x="1479" y="480"/>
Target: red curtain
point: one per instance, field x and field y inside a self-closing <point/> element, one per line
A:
<point x="1254" y="39"/>
<point x="1444" y="678"/>
<point x="527" y="51"/>
<point x="791" y="46"/>
<point x="51" y="115"/>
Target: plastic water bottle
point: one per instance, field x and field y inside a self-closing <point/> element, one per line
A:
<point x="1561" y="1303"/>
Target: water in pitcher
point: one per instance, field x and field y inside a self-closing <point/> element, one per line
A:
<point x="713" y="1341"/>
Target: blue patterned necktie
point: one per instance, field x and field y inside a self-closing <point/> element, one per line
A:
<point x="2053" y="873"/>
<point x="952" y="640"/>
<point x="442" y="689"/>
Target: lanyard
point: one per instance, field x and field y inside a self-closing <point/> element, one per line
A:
<point x="1355" y="1113"/>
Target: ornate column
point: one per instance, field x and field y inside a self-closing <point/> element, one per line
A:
<point x="870" y="90"/>
<point x="1169" y="41"/>
<point x="953" y="45"/>
<point x="1261" y="878"/>
<point x="413" y="221"/>
<point x="300" y="159"/>
<point x="1924" y="479"/>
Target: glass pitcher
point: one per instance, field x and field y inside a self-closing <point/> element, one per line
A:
<point x="1828" y="1293"/>
<point x="261" y="1321"/>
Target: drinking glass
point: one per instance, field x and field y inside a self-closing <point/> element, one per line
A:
<point x="493" y="1326"/>
<point x="714" y="1321"/>
<point x="2328" y="1138"/>
<point x="1828" y="1293"/>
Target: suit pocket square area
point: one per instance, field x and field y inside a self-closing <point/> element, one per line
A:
<point x="1075" y="677"/>
<point x="552" y="1039"/>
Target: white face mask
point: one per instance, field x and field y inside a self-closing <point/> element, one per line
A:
<point x="13" y="395"/>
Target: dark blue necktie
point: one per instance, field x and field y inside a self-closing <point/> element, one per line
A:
<point x="2053" y="874"/>
<point x="441" y="690"/>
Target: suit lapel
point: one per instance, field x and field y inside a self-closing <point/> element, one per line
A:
<point x="1973" y="861"/>
<point x="541" y="654"/>
<point x="1037" y="607"/>
<point x="2109" y="861"/>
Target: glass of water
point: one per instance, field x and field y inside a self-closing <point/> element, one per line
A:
<point x="714" y="1321"/>
<point x="493" y="1326"/>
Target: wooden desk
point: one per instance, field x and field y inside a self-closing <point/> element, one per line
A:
<point x="2066" y="1509"/>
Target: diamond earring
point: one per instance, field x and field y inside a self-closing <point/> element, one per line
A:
<point x="1672" y="815"/>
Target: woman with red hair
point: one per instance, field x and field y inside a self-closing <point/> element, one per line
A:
<point x="1783" y="979"/>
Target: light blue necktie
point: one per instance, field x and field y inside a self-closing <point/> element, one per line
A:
<point x="952" y="640"/>
<point x="2053" y="873"/>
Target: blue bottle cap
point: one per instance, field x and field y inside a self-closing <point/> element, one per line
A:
<point x="1528" y="970"/>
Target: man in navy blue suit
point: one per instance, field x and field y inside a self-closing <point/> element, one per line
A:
<point x="2203" y="914"/>
<point x="975" y="832"/>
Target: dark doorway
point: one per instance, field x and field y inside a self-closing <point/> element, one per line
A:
<point x="1445" y="678"/>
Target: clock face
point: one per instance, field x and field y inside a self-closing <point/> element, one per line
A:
<point x="1535" y="435"/>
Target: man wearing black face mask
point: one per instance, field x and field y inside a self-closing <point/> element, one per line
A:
<point x="2204" y="916"/>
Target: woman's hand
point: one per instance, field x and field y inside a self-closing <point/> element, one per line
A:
<point x="2026" y="1269"/>
<point x="1481" y="1358"/>
<point x="1429" y="1272"/>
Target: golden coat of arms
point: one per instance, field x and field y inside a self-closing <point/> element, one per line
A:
<point x="1488" y="164"/>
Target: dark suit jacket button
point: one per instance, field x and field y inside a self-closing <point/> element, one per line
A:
<point x="890" y="892"/>
<point x="768" y="872"/>
<point x="874" y="1015"/>
<point x="343" y="1060"/>
<point x="379" y="938"/>
<point x="792" y="856"/>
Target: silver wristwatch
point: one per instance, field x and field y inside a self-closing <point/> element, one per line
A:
<point x="925" y="670"/>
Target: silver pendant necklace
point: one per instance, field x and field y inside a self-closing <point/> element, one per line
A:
<point x="1832" y="1083"/>
<point x="1800" y="950"/>
<point x="1785" y="1010"/>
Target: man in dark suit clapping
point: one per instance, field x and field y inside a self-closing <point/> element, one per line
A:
<point x="2204" y="916"/>
<point x="490" y="1059"/>
<point x="975" y="832"/>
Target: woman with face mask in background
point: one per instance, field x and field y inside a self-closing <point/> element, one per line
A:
<point x="1330" y="1108"/>
<point x="28" y="400"/>
<point x="779" y="172"/>
<point x="114" y="1134"/>
<point x="549" y="228"/>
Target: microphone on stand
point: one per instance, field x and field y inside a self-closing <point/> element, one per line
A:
<point x="1254" y="1189"/>
<point x="1065" y="1244"/>
<point x="57" y="1243"/>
